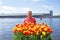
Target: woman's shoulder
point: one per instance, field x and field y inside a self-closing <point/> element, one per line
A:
<point x="26" y="18"/>
<point x="33" y="17"/>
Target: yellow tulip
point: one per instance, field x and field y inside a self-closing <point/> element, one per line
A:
<point x="44" y="33"/>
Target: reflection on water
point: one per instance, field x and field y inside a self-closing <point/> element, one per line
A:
<point x="6" y="25"/>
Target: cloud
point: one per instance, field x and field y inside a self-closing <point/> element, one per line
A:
<point x="8" y="9"/>
<point x="23" y="10"/>
<point x="38" y="0"/>
<point x="48" y="7"/>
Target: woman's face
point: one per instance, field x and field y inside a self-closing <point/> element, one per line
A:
<point x="29" y="14"/>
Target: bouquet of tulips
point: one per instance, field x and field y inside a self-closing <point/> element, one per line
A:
<point x="32" y="32"/>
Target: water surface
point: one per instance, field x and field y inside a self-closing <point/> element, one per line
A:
<point x="6" y="25"/>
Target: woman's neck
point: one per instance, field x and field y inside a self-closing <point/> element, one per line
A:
<point x="29" y="17"/>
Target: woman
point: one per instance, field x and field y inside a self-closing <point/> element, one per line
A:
<point x="29" y="18"/>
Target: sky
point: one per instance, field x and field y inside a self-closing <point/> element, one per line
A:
<point x="36" y="6"/>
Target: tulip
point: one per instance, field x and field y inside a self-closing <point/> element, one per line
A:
<point x="40" y="30"/>
<point x="31" y="29"/>
<point x="19" y="29"/>
<point x="50" y="30"/>
<point x="17" y="25"/>
<point x="14" y="30"/>
<point x="45" y="29"/>
<point x="43" y="33"/>
<point x="26" y="32"/>
<point x="37" y="33"/>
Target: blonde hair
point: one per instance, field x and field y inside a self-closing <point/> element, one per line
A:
<point x="29" y="10"/>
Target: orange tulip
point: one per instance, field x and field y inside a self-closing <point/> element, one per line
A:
<point x="37" y="33"/>
<point x="48" y="27"/>
<point x="26" y="32"/>
<point x="40" y="30"/>
<point x="37" y="27"/>
<point x="14" y="30"/>
<point x="19" y="29"/>
<point x="17" y="25"/>
<point x="45" y="29"/>
<point x="24" y="24"/>
<point x="50" y="30"/>
<point x="31" y="29"/>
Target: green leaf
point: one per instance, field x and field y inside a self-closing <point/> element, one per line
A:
<point x="20" y="36"/>
<point x="15" y="37"/>
<point x="33" y="37"/>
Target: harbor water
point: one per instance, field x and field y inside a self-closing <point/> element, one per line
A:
<point x="6" y="25"/>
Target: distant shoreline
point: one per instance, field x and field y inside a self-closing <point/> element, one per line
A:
<point x="23" y="16"/>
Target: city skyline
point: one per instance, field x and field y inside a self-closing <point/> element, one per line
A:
<point x="3" y="14"/>
<point x="37" y="6"/>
